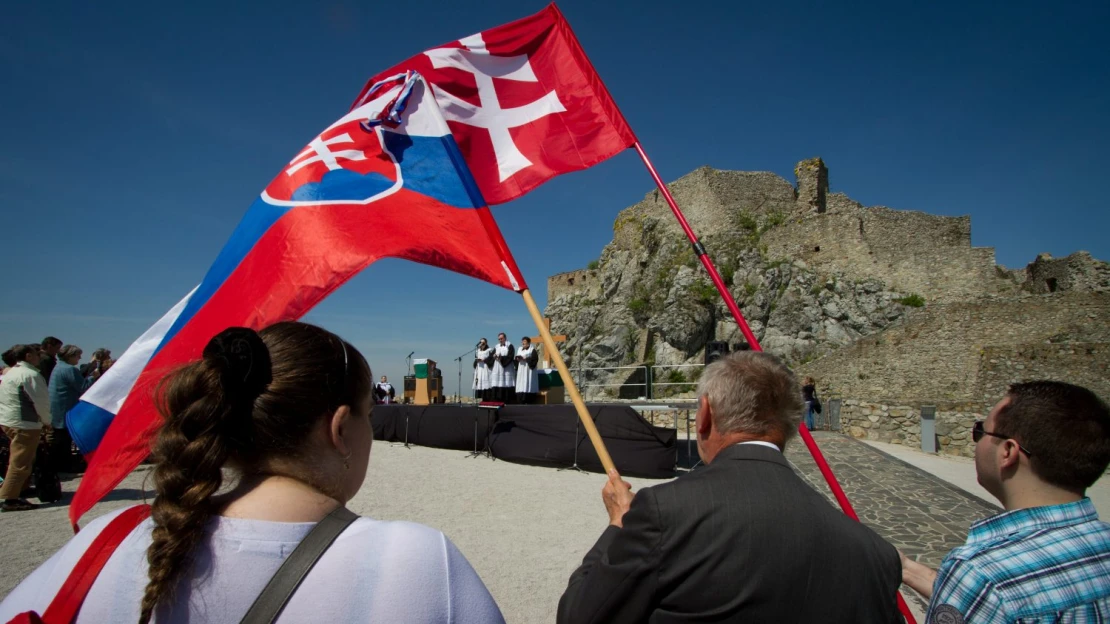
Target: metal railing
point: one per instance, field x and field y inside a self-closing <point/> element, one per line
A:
<point x="692" y="383"/>
<point x="647" y="385"/>
<point x="579" y="380"/>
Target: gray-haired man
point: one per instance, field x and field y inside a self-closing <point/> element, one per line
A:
<point x="743" y="539"/>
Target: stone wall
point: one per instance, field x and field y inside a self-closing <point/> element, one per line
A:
<point x="911" y="251"/>
<point x="1082" y="363"/>
<point x="899" y="422"/>
<point x="581" y="281"/>
<point x="1079" y="271"/>
<point x="940" y="352"/>
<point x="813" y="184"/>
<point x="713" y="202"/>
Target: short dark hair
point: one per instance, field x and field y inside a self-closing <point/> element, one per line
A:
<point x="1066" y="429"/>
<point x="51" y="341"/>
<point x="9" y="358"/>
<point x="20" y="352"/>
<point x="101" y="353"/>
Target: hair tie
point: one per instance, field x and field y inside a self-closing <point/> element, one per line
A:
<point x="243" y="361"/>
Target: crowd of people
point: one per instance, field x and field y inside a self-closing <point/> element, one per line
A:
<point x="506" y="374"/>
<point x="287" y="411"/>
<point x="39" y="384"/>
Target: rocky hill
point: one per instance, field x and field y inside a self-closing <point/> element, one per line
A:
<point x="823" y="281"/>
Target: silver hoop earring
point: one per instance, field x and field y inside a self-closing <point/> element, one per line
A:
<point x="346" y="461"/>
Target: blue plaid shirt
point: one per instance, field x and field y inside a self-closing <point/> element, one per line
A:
<point x="1043" y="564"/>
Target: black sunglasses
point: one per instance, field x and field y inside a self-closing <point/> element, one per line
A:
<point x="977" y="433"/>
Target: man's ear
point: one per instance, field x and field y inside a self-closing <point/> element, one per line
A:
<point x="704" y="417"/>
<point x="337" y="429"/>
<point x="1009" y="454"/>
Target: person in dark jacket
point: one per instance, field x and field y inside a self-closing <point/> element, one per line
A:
<point x="809" y="395"/>
<point x="49" y="359"/>
<point x="743" y="539"/>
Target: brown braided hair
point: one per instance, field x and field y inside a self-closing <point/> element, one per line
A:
<point x="250" y="403"/>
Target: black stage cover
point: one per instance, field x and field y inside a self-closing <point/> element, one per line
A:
<point x="535" y="434"/>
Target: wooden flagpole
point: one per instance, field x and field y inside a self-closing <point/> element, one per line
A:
<point x="568" y="381"/>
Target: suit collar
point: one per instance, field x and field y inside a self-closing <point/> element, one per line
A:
<point x="751" y="452"/>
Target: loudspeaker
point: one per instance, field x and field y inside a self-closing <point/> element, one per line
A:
<point x="409" y="392"/>
<point x="715" y="350"/>
<point x="741" y="346"/>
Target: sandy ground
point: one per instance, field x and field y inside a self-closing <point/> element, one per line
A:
<point x="523" y="528"/>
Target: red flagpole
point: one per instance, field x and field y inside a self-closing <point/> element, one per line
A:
<point x="699" y="250"/>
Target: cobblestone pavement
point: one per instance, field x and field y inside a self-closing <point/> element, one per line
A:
<point x="921" y="515"/>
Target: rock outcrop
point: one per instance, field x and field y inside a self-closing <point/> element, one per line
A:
<point x="819" y="277"/>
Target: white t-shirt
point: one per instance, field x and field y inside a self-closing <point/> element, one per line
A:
<point x="374" y="572"/>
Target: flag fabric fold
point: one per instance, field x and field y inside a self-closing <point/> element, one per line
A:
<point x="91" y="417"/>
<point x="385" y="180"/>
<point x="523" y="102"/>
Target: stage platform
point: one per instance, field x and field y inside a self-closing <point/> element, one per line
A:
<point x="546" y="435"/>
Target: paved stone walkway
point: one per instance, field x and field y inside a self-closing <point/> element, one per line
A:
<point x="920" y="514"/>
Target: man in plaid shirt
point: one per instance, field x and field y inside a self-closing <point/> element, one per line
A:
<point x="1046" y="558"/>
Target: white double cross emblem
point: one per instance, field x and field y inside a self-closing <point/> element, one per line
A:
<point x="488" y="114"/>
<point x="319" y="150"/>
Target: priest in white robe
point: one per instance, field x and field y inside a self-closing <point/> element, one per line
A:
<point x="502" y="377"/>
<point x="483" y="362"/>
<point x="527" y="373"/>
<point x="383" y="392"/>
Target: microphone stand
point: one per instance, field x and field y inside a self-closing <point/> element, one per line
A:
<point x="458" y="397"/>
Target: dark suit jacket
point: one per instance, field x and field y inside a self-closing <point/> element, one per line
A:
<point x="744" y="539"/>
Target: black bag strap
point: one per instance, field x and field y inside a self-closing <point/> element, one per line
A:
<point x="289" y="576"/>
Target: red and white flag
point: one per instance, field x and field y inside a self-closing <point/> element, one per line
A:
<point x="523" y="103"/>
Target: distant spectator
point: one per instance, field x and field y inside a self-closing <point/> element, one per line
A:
<point x="24" y="409"/>
<point x="101" y="359"/>
<point x="809" y="395"/>
<point x="50" y="346"/>
<point x="9" y="361"/>
<point x="66" y="386"/>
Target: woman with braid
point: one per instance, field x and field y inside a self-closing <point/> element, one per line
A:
<point x="287" y="412"/>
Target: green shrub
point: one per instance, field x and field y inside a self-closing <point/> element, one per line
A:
<point x="913" y="300"/>
<point x="705" y="292"/>
<point x="747" y="222"/>
<point x="593" y="265"/>
<point x="638" y="306"/>
<point x="631" y="341"/>
<point x="727" y="273"/>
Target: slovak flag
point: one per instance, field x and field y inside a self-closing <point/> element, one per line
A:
<point x="523" y="102"/>
<point x="385" y="180"/>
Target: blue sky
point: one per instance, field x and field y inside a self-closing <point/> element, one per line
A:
<point x="133" y="137"/>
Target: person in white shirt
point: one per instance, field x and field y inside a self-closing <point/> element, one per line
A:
<point x="287" y="410"/>
<point x="384" y="392"/>
<point x="483" y="361"/>
<point x="527" y="375"/>
<point x="502" y="377"/>
<point x="24" y="410"/>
